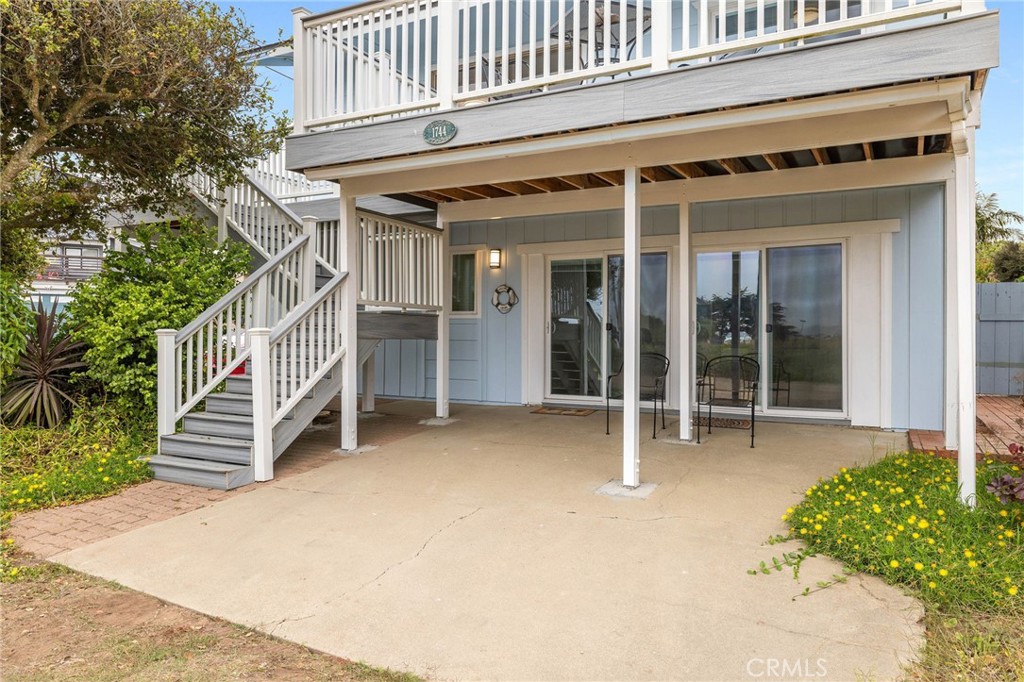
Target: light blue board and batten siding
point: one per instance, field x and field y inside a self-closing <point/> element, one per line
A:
<point x="917" y="276"/>
<point x="485" y="351"/>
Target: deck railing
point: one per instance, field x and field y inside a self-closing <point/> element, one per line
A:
<point x="70" y="267"/>
<point x="400" y="263"/>
<point x="400" y="57"/>
<point x="287" y="186"/>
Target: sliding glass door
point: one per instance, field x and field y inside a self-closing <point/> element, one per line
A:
<point x="782" y="306"/>
<point x="585" y="321"/>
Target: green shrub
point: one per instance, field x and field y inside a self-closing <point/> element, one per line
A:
<point x="901" y="519"/>
<point x="165" y="283"/>
<point x="95" y="453"/>
<point x="1008" y="262"/>
<point x="15" y="323"/>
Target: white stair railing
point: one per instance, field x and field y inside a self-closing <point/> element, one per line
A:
<point x="399" y="263"/>
<point x="193" y="361"/>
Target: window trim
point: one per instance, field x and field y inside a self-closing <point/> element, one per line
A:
<point x="478" y="250"/>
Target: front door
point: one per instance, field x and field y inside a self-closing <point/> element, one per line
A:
<point x="576" y="327"/>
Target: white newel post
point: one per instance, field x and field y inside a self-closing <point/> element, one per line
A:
<point x="262" y="405"/>
<point x="298" y="70"/>
<point x="963" y="148"/>
<point x="631" y="333"/>
<point x="309" y="257"/>
<point x="685" y="359"/>
<point x="444" y="286"/>
<point x="447" y="15"/>
<point x="166" y="383"/>
<point x="661" y="34"/>
<point x="348" y="261"/>
<point x="222" y="216"/>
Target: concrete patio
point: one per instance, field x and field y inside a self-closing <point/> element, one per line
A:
<point x="479" y="550"/>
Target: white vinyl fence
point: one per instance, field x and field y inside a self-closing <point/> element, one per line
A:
<point x="1000" y="338"/>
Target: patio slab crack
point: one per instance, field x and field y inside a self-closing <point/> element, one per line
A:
<point x="419" y="551"/>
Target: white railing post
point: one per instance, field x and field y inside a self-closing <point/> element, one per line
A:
<point x="166" y="383"/>
<point x="262" y="405"/>
<point x="260" y="302"/>
<point x="661" y="33"/>
<point x="447" y="31"/>
<point x="222" y="216"/>
<point x="299" y="67"/>
<point x="348" y="262"/>
<point x="309" y="257"/>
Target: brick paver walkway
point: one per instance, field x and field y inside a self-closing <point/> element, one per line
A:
<point x="1000" y="422"/>
<point x="48" y="532"/>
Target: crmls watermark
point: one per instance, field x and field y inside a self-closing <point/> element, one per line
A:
<point x="787" y="668"/>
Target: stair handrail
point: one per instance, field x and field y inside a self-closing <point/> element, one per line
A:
<point x="195" y="360"/>
<point x="309" y="362"/>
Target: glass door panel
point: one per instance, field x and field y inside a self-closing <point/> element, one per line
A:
<point x="728" y="299"/>
<point x="653" y="310"/>
<point x="805" y="345"/>
<point x="576" y="327"/>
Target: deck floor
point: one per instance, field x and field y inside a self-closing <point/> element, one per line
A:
<point x="1000" y="422"/>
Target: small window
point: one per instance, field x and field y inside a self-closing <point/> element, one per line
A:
<point x="464" y="283"/>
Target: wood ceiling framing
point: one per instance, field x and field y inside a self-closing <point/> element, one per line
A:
<point x="756" y="163"/>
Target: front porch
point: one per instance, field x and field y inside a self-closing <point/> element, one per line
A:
<point x="480" y="550"/>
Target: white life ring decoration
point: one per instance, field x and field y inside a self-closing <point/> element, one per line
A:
<point x="504" y="298"/>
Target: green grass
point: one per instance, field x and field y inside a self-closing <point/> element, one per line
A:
<point x="97" y="453"/>
<point x="900" y="519"/>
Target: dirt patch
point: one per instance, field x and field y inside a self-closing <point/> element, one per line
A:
<point x="63" y="625"/>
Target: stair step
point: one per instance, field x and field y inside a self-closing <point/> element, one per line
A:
<point x="225" y="425"/>
<point x="209" y="448"/>
<point x="239" y="403"/>
<point x="219" y="475"/>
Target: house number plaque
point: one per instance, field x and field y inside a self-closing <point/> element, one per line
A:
<point x="439" y="132"/>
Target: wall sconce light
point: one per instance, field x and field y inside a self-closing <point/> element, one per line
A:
<point x="494" y="259"/>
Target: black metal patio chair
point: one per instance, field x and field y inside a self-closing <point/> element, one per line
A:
<point x="729" y="381"/>
<point x="653" y="378"/>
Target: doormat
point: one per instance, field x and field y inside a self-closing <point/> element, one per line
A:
<point x="564" y="411"/>
<point x="724" y="423"/>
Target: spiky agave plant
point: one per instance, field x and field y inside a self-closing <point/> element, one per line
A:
<point x="39" y="388"/>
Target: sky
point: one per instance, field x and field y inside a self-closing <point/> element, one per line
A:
<point x="1000" y="153"/>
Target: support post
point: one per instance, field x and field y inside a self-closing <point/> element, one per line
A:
<point x="166" y="383"/>
<point x="369" y="384"/>
<point x="661" y="34"/>
<point x="685" y="360"/>
<point x="631" y="332"/>
<point x="309" y="257"/>
<point x="348" y="261"/>
<point x="262" y="405"/>
<point x="951" y="391"/>
<point x="445" y="280"/>
<point x="299" y="67"/>
<point x="222" y="216"/>
<point x="447" y="44"/>
<point x="965" y="317"/>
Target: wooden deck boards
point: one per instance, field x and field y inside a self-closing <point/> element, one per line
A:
<point x="1000" y="422"/>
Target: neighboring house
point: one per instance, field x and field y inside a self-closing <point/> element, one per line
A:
<point x="788" y="180"/>
<point x="67" y="264"/>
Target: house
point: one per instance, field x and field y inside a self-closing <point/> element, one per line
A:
<point x="786" y="180"/>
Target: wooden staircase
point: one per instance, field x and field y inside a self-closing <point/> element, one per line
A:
<point x="241" y="382"/>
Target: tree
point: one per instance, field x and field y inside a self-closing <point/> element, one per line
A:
<point x="166" y="282"/>
<point x="109" y="107"/>
<point x="1008" y="263"/>
<point x="993" y="223"/>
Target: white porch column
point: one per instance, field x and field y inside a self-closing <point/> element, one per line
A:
<point x="444" y="274"/>
<point x="685" y="356"/>
<point x="951" y="395"/>
<point x="631" y="333"/>
<point x="963" y="148"/>
<point x="299" y="70"/>
<point x="348" y="261"/>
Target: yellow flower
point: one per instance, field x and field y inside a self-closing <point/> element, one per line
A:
<point x="943" y="572"/>
<point x="931" y="584"/>
<point x="918" y="566"/>
<point x="1002" y="512"/>
<point x="968" y="553"/>
<point x="894" y="563"/>
<point x="1012" y="590"/>
<point x="889" y="538"/>
<point x="922" y="524"/>
<point x="972" y="563"/>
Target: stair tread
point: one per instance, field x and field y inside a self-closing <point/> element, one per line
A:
<point x="196" y="464"/>
<point x="217" y="416"/>
<point x="200" y="439"/>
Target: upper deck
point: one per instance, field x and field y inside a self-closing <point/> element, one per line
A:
<point x="371" y="66"/>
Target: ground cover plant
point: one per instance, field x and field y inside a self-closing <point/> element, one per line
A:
<point x="900" y="519"/>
